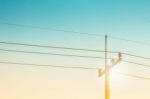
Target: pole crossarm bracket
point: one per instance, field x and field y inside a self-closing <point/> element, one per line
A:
<point x="114" y="63"/>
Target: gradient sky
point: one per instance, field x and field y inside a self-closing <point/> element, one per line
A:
<point x="128" y="19"/>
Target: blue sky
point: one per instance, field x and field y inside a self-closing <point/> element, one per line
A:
<point x="121" y="18"/>
<point x="128" y="19"/>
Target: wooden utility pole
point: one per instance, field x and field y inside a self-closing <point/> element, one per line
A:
<point x="106" y="72"/>
<point x="107" y="78"/>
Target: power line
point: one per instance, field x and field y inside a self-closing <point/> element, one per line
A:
<point x="68" y="31"/>
<point x="132" y="55"/>
<point x="128" y="40"/>
<point x="67" y="55"/>
<point x="44" y="65"/>
<point x="49" y="46"/>
<point x="147" y="58"/>
<point x="134" y="76"/>
<point x="69" y="48"/>
<point x="50" y="29"/>
<point x="71" y="67"/>
<point x="136" y="63"/>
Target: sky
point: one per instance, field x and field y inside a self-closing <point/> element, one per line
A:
<point x="128" y="19"/>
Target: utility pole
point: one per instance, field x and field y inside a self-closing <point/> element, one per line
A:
<point x="107" y="78"/>
<point x="106" y="72"/>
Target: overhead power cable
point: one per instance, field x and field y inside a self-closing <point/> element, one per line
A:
<point x="75" y="32"/>
<point x="49" y="46"/>
<point x="69" y="67"/>
<point x="134" y="76"/>
<point x="128" y="40"/>
<point x="136" y="56"/>
<point x="136" y="63"/>
<point x="69" y="48"/>
<point x="67" y="55"/>
<point x="45" y="65"/>
<point x="50" y="29"/>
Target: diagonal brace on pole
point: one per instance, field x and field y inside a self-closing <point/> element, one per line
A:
<point x="114" y="63"/>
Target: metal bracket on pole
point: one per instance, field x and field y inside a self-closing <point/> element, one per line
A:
<point x="102" y="72"/>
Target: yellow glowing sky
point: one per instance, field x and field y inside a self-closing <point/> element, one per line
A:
<point x="118" y="18"/>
